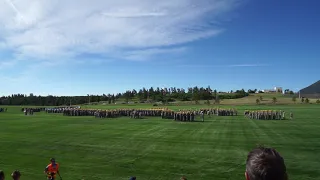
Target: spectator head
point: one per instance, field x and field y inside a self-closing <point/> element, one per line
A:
<point x="16" y="175"/>
<point x="265" y="164"/>
<point x="133" y="178"/>
<point x="1" y="175"/>
<point x="183" y="178"/>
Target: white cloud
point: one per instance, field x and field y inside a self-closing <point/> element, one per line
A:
<point x="58" y="29"/>
<point x="142" y="55"/>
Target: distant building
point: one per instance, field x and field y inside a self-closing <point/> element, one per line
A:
<point x="274" y="90"/>
<point x="312" y="91"/>
<point x="278" y="89"/>
<point x="269" y="91"/>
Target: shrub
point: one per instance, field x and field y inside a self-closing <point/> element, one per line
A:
<point x="307" y="101"/>
<point x="274" y="100"/>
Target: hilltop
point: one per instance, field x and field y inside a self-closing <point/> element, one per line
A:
<point x="312" y="91"/>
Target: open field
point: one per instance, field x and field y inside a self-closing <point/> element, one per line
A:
<point x="89" y="148"/>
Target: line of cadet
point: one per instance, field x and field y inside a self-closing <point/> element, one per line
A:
<point x="59" y="109"/>
<point x="132" y="113"/>
<point x="164" y="113"/>
<point x="33" y="109"/>
<point x="3" y="110"/>
<point x="30" y="111"/>
<point x="186" y="115"/>
<point x="267" y="115"/>
<point x="219" y="112"/>
<point x="112" y="113"/>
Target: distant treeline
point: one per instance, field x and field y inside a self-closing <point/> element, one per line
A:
<point x="142" y="96"/>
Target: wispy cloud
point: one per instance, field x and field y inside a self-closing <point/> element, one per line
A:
<point x="146" y="54"/>
<point x="139" y="29"/>
<point x="248" y="65"/>
<point x="7" y="64"/>
<point x="224" y="66"/>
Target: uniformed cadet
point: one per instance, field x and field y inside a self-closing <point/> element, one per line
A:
<point x="265" y="115"/>
<point x="202" y="116"/>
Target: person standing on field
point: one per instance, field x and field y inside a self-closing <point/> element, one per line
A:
<point x="52" y="170"/>
<point x="202" y="116"/>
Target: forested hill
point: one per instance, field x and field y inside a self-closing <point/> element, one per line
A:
<point x="312" y="91"/>
<point x="141" y="96"/>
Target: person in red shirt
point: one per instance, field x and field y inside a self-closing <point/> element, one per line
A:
<point x="52" y="170"/>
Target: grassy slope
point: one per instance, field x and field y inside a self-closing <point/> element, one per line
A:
<point x="250" y="100"/>
<point x="91" y="148"/>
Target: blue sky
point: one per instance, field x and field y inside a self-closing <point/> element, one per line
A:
<point x="102" y="46"/>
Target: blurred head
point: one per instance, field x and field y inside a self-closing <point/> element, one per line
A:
<point x="53" y="161"/>
<point x="1" y="175"/>
<point x="183" y="178"/>
<point x="265" y="164"/>
<point x="16" y="175"/>
<point x="133" y="178"/>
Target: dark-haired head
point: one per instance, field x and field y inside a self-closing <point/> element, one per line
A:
<point x="16" y="175"/>
<point x="265" y="164"/>
<point x="1" y="175"/>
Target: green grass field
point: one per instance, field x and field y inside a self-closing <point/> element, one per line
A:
<point x="89" y="148"/>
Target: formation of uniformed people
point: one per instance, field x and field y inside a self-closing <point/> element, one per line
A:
<point x="78" y="112"/>
<point x="219" y="112"/>
<point x="110" y="113"/>
<point x="132" y="113"/>
<point x="3" y="110"/>
<point x="29" y="111"/>
<point x="167" y="114"/>
<point x="33" y="109"/>
<point x="267" y="115"/>
<point x="186" y="116"/>
<point x="164" y="113"/>
<point x="59" y="109"/>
